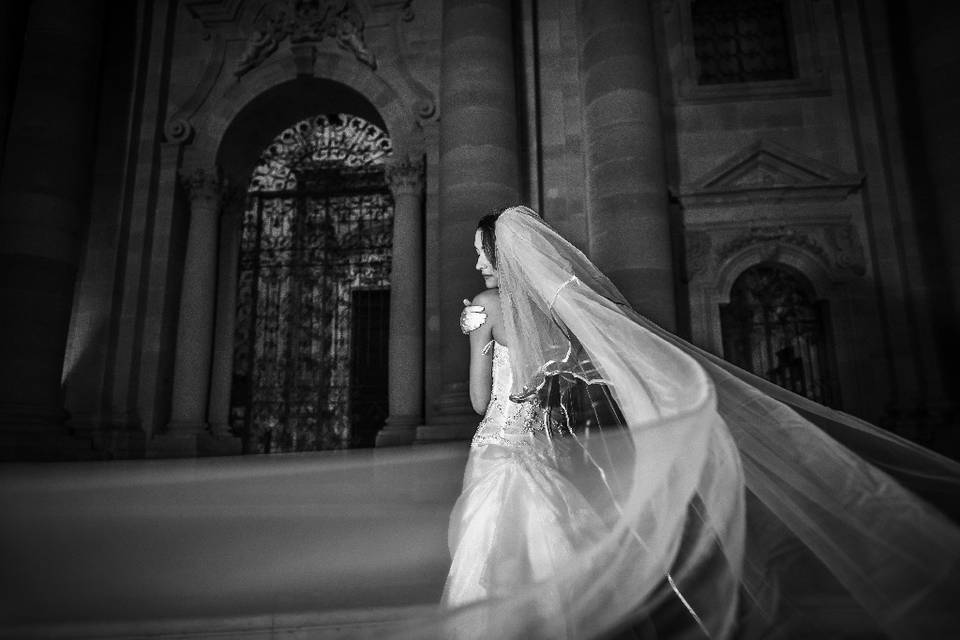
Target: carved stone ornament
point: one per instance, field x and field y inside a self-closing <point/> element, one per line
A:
<point x="772" y="238"/>
<point x="848" y="249"/>
<point x="178" y="131"/>
<point x="306" y="21"/>
<point x="405" y="175"/>
<point x="406" y="11"/>
<point x="204" y="185"/>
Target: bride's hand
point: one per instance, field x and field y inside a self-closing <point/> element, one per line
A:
<point x="471" y="317"/>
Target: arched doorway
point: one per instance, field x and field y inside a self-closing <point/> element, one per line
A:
<point x="312" y="315"/>
<point x="775" y="327"/>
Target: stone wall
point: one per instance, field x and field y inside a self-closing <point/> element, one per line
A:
<point x="589" y="111"/>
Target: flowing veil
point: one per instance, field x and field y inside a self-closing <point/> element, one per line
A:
<point x="728" y="508"/>
<point x="730" y="500"/>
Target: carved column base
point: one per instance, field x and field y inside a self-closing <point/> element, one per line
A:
<point x="174" y="445"/>
<point x="191" y="439"/>
<point x="181" y="440"/>
<point x="455" y="420"/>
<point x="220" y="442"/>
<point x="399" y="431"/>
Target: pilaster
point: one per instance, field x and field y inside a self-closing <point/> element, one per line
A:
<point x="405" y="177"/>
<point x="194" y="347"/>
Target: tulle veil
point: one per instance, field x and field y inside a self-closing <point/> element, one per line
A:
<point x="731" y="496"/>
<point x="732" y="508"/>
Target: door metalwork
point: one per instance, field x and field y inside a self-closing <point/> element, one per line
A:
<point x="776" y="328"/>
<point x="317" y="233"/>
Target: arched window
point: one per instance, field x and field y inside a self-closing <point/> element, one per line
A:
<point x="310" y="355"/>
<point x="776" y="328"/>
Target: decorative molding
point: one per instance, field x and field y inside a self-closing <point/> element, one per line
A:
<point x="765" y="171"/>
<point x="405" y="175"/>
<point x="426" y="103"/>
<point x="213" y="13"/>
<point x="836" y="247"/>
<point x="178" y="131"/>
<point x="305" y="21"/>
<point x="772" y="238"/>
<point x="178" y="128"/>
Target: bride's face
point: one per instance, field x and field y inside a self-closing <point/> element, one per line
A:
<point x="490" y="277"/>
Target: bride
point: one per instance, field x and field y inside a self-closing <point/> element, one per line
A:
<point x="621" y="474"/>
<point x="518" y="519"/>
<point x="621" y="481"/>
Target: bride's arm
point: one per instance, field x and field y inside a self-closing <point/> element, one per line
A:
<point x="481" y="364"/>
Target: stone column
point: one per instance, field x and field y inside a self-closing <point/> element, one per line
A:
<point x="194" y="350"/>
<point x="221" y="441"/>
<point x="628" y="221"/>
<point x="479" y="173"/>
<point x="406" y="305"/>
<point x="44" y="192"/>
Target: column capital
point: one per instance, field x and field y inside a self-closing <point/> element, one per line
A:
<point x="204" y="184"/>
<point x="405" y="175"/>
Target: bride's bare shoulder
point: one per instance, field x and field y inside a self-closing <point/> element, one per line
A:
<point x="489" y="299"/>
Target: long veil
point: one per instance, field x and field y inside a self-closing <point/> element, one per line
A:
<point x="731" y="501"/>
<point x="729" y="508"/>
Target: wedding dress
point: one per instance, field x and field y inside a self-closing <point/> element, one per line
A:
<point x="621" y="475"/>
<point x="762" y="514"/>
<point x="518" y="519"/>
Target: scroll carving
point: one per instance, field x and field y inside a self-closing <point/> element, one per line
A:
<point x="178" y="131"/>
<point x="306" y="21"/>
<point x="849" y="251"/>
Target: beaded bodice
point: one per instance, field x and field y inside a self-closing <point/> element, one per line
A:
<point x="505" y="422"/>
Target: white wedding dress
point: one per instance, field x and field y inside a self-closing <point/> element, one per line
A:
<point x="518" y="519"/>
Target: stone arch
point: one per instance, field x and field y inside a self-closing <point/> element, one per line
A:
<point x="804" y="262"/>
<point x="230" y="135"/>
<point x="398" y="118"/>
<point x="779" y="328"/>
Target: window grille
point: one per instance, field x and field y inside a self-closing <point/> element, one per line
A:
<point x="741" y="41"/>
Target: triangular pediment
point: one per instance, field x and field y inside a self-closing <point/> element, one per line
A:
<point x="214" y="12"/>
<point x="766" y="170"/>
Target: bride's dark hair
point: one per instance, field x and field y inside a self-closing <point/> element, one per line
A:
<point x="488" y="236"/>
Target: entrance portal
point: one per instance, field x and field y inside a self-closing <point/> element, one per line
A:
<point x="310" y="370"/>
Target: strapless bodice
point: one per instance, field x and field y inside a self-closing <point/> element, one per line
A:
<point x="505" y="422"/>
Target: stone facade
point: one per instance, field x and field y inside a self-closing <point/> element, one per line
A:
<point x="591" y="111"/>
